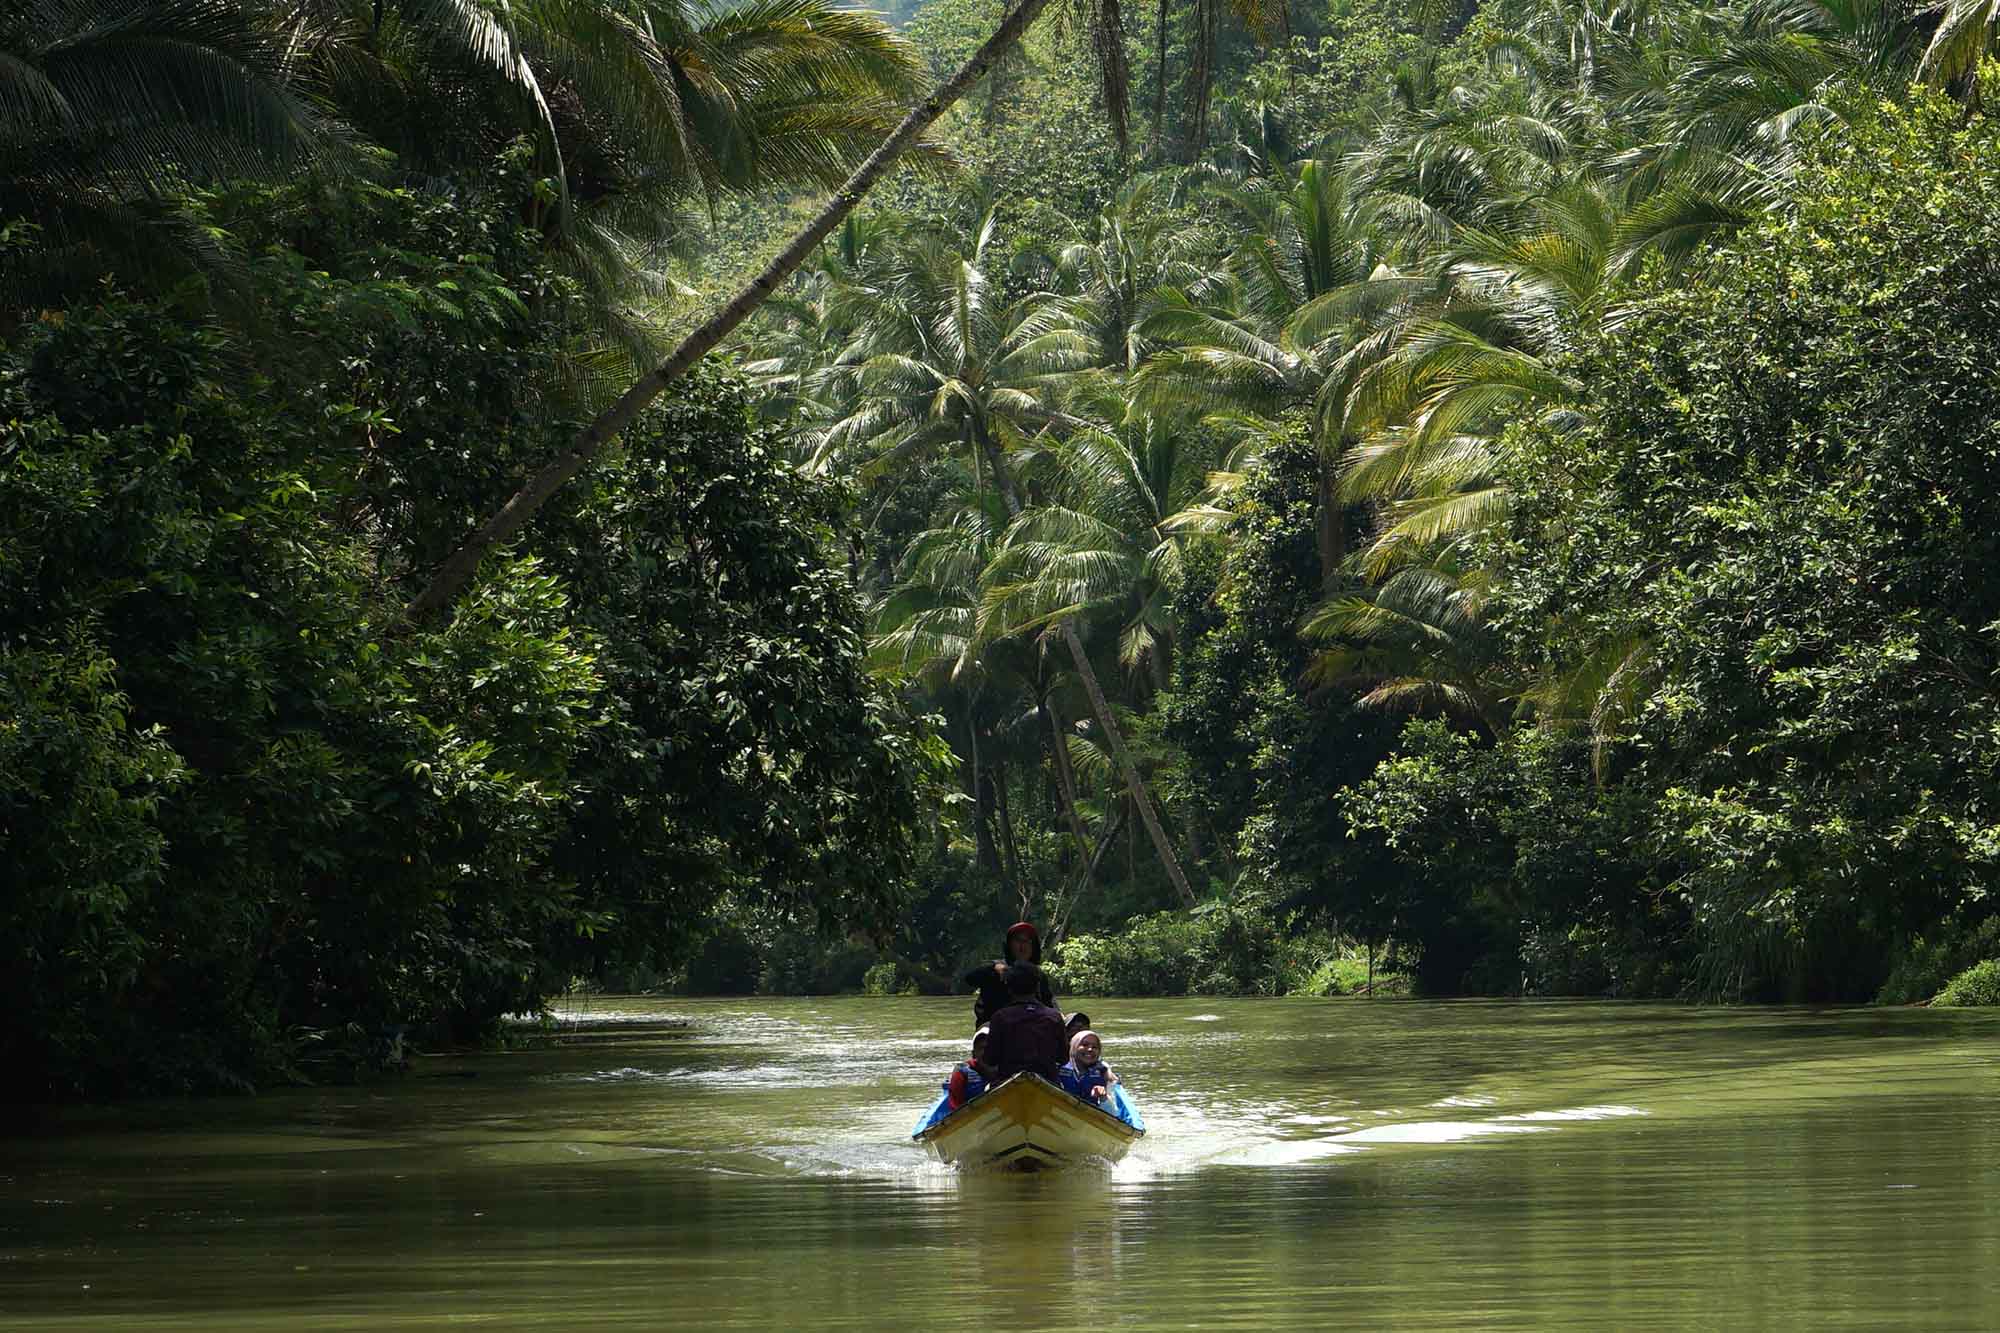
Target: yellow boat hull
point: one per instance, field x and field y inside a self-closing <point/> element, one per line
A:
<point x="1028" y="1122"/>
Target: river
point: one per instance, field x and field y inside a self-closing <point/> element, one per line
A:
<point x="684" y="1164"/>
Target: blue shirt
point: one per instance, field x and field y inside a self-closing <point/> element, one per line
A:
<point x="1080" y="1082"/>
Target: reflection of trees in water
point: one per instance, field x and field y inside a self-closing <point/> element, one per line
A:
<point x="1044" y="1231"/>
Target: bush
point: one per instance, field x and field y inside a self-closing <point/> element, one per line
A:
<point x="886" y="978"/>
<point x="1926" y="963"/>
<point x="799" y="962"/>
<point x="1348" y="974"/>
<point x="1977" y="985"/>
<point x="1219" y="949"/>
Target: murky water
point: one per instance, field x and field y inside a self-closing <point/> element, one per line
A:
<point x="1312" y="1164"/>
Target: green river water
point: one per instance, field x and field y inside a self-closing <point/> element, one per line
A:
<point x="1312" y="1164"/>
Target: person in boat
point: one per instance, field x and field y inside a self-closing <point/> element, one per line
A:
<point x="968" y="1080"/>
<point x="1078" y="1022"/>
<point x="1023" y="944"/>
<point x="1086" y="1075"/>
<point x="1027" y="1035"/>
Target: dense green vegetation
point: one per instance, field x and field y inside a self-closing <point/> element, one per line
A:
<point x="1500" y="493"/>
<point x="1517" y="480"/>
<point x="254" y="822"/>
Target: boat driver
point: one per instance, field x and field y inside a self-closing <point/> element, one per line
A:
<point x="1023" y="944"/>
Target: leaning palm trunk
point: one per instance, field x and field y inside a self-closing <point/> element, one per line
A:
<point x="1136" y="785"/>
<point x="459" y="566"/>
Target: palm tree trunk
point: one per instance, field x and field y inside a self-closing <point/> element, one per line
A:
<point x="982" y="831"/>
<point x="458" y="568"/>
<point x="1008" y="846"/>
<point x="1207" y="31"/>
<point x="1141" y="799"/>
<point x="1330" y="526"/>
<point x="1065" y="777"/>
<point x="1112" y="824"/>
<point x="1159" y="90"/>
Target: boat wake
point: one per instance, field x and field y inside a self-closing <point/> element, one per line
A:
<point x="750" y="1069"/>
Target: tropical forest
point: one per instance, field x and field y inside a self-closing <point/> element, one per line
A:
<point x="504" y="501"/>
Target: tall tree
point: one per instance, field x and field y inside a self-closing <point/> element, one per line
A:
<point x="457" y="569"/>
<point x="950" y="369"/>
<point x="1274" y="344"/>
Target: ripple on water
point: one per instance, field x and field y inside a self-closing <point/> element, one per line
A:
<point x="1436" y="1131"/>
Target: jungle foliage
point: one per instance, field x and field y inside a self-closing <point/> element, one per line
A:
<point x="1498" y="492"/>
<point x="255" y="825"/>
<point x="1519" y="476"/>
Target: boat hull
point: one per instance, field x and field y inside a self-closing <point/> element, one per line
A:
<point x="1028" y="1122"/>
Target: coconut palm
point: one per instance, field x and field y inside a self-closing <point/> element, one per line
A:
<point x="642" y="111"/>
<point x="1138" y="247"/>
<point x="927" y="630"/>
<point x="1273" y="343"/>
<point x="1420" y="641"/>
<point x="946" y="368"/>
<point x="1104" y="538"/>
<point x="931" y="627"/>
<point x="108" y="107"/>
<point x="1967" y="31"/>
<point x="1426" y="396"/>
<point x="939" y="363"/>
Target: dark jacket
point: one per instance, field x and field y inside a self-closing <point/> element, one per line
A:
<point x="1026" y="1037"/>
<point x="990" y="995"/>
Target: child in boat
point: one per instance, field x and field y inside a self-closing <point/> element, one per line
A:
<point x="969" y="1079"/>
<point x="1086" y="1075"/>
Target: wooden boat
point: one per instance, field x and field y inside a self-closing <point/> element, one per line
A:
<point x="1029" y="1122"/>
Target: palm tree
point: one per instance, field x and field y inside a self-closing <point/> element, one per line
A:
<point x="1105" y="536"/>
<point x="931" y="627"/>
<point x="451" y="576"/>
<point x="1274" y="344"/>
<point x="1138" y="247"/>
<point x="641" y="110"/>
<point x="927" y="630"/>
<point x="1427" y="395"/>
<point x="948" y="370"/>
<point x="108" y="107"/>
<point x="1967" y="31"/>
<point x="938" y="364"/>
<point x="1419" y="641"/>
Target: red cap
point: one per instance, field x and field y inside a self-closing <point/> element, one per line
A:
<point x="1020" y="926"/>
